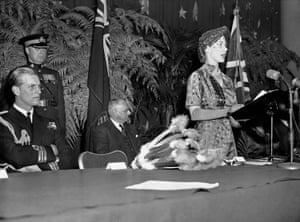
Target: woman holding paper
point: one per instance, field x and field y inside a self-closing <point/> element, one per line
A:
<point x="211" y="98"/>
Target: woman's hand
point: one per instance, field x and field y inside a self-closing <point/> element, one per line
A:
<point x="235" y="107"/>
<point x="234" y="123"/>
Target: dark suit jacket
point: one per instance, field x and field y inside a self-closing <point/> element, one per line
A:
<point x="106" y="138"/>
<point x="42" y="131"/>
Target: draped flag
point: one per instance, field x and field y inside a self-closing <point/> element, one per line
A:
<point x="235" y="62"/>
<point x="98" y="79"/>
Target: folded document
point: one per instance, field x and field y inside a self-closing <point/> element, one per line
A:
<point x="171" y="185"/>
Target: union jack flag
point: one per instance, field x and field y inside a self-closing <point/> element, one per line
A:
<point x="235" y="62"/>
<point x="98" y="76"/>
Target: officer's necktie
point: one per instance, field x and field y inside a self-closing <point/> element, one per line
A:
<point x="29" y="117"/>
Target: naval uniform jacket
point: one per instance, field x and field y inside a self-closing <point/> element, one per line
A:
<point x="41" y="133"/>
<point x="106" y="138"/>
<point x="52" y="103"/>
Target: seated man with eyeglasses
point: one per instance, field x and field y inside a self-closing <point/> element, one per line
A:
<point x="116" y="133"/>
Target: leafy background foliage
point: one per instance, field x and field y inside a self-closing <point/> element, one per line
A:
<point x="127" y="29"/>
<point x="70" y="32"/>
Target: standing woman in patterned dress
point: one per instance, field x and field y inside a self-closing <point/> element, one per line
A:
<point x="211" y="98"/>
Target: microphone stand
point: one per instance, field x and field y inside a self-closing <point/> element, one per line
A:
<point x="271" y="109"/>
<point x="290" y="165"/>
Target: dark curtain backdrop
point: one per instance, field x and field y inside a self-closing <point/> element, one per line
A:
<point x="261" y="16"/>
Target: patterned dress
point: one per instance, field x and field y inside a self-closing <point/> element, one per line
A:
<point x="203" y="90"/>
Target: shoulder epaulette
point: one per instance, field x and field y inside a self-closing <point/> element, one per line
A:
<point x="3" y="112"/>
<point x="24" y="135"/>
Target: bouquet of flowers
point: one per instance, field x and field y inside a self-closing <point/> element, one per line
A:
<point x="177" y="146"/>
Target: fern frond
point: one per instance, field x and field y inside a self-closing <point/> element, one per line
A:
<point x="75" y="19"/>
<point x="132" y="22"/>
<point x="39" y="26"/>
<point x="59" y="9"/>
<point x="86" y="11"/>
<point x="11" y="29"/>
<point x="137" y="59"/>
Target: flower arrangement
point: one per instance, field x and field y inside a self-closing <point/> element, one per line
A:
<point x="177" y="146"/>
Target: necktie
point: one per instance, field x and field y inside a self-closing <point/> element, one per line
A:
<point x="29" y="117"/>
<point x="122" y="129"/>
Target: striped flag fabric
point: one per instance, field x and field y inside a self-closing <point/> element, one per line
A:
<point x="98" y="76"/>
<point x="235" y="62"/>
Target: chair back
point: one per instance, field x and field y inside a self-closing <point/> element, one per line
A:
<point x="95" y="160"/>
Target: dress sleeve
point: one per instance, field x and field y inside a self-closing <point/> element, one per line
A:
<point x="194" y="90"/>
<point x="229" y="91"/>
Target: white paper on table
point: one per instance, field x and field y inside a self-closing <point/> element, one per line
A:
<point x="29" y="169"/>
<point x="3" y="174"/>
<point x="258" y="163"/>
<point x="263" y="161"/>
<point x="171" y="185"/>
<point x="116" y="166"/>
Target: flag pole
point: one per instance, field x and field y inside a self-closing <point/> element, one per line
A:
<point x="98" y="76"/>
<point x="238" y="70"/>
<point x="235" y="62"/>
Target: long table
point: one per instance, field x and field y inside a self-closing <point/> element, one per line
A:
<point x="246" y="193"/>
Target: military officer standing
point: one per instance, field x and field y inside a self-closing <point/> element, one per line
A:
<point x="52" y="96"/>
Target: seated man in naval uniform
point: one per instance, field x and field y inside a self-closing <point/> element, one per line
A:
<point x="29" y="141"/>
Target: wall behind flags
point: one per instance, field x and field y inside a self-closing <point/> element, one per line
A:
<point x="261" y="16"/>
<point x="267" y="18"/>
<point x="290" y="25"/>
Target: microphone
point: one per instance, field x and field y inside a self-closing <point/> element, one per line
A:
<point x="296" y="82"/>
<point x="296" y="96"/>
<point x="273" y="74"/>
<point x="296" y="85"/>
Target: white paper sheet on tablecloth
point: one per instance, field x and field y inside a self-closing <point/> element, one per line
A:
<point x="171" y="185"/>
<point x="3" y="174"/>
